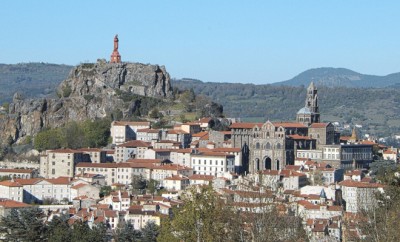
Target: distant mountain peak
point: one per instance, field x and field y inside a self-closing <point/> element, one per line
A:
<point x="340" y="77"/>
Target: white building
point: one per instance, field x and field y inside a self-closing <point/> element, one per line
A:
<point x="131" y="150"/>
<point x="359" y="195"/>
<point x="61" y="162"/>
<point x="212" y="163"/>
<point x="12" y="190"/>
<point x="148" y="135"/>
<point x="38" y="189"/>
<point x="122" y="131"/>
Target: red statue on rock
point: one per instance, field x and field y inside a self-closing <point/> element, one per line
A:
<point x="115" y="56"/>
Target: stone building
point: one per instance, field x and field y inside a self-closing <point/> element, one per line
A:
<point x="272" y="145"/>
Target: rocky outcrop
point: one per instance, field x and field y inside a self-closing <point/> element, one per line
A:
<point x="91" y="91"/>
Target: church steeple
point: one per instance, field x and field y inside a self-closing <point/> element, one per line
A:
<point x="115" y="56"/>
<point x="310" y="113"/>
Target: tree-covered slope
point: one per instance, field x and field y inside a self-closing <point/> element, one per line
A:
<point x="377" y="109"/>
<point x="31" y="79"/>
<point x="341" y="77"/>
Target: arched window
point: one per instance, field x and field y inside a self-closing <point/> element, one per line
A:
<point x="268" y="146"/>
<point x="257" y="146"/>
<point x="278" y="146"/>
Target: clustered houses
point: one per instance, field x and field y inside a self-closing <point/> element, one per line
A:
<point x="37" y="190"/>
<point x="302" y="168"/>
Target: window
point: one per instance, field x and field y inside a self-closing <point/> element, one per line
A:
<point x="53" y="163"/>
<point x="53" y="171"/>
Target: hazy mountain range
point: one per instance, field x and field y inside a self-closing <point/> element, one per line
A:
<point x="345" y="95"/>
<point x="341" y="77"/>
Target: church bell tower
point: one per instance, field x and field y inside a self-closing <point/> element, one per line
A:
<point x="310" y="113"/>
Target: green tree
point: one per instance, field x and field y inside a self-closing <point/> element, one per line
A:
<point x="58" y="229"/>
<point x="127" y="233"/>
<point x="23" y="225"/>
<point x="152" y="186"/>
<point x="105" y="191"/>
<point x="202" y="218"/>
<point x="150" y="232"/>
<point x="47" y="139"/>
<point x="138" y="184"/>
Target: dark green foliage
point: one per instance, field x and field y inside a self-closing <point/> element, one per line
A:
<point x="138" y="184"/>
<point x="23" y="225"/>
<point x="31" y="79"/>
<point x="105" y="191"/>
<point x="66" y="91"/>
<point x="75" y="135"/>
<point x="150" y="232"/>
<point x="152" y="186"/>
<point x="88" y="97"/>
<point x="81" y="233"/>
<point x="378" y="110"/>
<point x="127" y="234"/>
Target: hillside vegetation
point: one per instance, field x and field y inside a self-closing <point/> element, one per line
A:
<point x="341" y="77"/>
<point x="376" y="109"/>
<point x="31" y="79"/>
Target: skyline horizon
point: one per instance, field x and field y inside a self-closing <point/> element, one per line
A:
<point x="229" y="41"/>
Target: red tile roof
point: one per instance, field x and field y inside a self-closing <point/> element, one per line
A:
<point x="300" y="137"/>
<point x="10" y="184"/>
<point x="124" y="123"/>
<point x="319" y="125"/>
<point x="201" y="177"/>
<point x="244" y="125"/>
<point x="351" y="183"/>
<point x="289" y="124"/>
<point x="135" y="143"/>
<point x="8" y="203"/>
<point x="16" y="170"/>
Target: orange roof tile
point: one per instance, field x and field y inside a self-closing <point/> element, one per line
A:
<point x="319" y="125"/>
<point x="124" y="123"/>
<point x="9" y="183"/>
<point x="244" y="125"/>
<point x="135" y="143"/>
<point x="289" y="124"/>
<point x="16" y="170"/>
<point x="8" y="203"/>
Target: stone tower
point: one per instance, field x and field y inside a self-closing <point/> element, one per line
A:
<point x="310" y="113"/>
<point x="115" y="56"/>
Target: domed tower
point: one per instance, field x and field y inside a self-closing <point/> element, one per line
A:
<point x="115" y="56"/>
<point x="310" y="113"/>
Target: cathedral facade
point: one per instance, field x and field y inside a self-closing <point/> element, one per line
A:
<point x="273" y="145"/>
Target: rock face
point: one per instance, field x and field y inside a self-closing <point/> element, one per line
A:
<point x="92" y="90"/>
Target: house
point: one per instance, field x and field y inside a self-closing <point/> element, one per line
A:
<point x="212" y="163"/>
<point x="176" y="183"/>
<point x="94" y="155"/>
<point x="197" y="179"/>
<point x="18" y="173"/>
<point x="130" y="150"/>
<point x="148" y="135"/>
<point x="123" y="131"/>
<point x="87" y="190"/>
<point x="11" y="190"/>
<point x="359" y="195"/>
<point x="60" y="162"/>
<point x="38" y="189"/>
<point x="6" y="205"/>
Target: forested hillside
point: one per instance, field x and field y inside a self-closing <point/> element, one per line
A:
<point x="31" y="79"/>
<point x="378" y="110"/>
<point x="341" y="77"/>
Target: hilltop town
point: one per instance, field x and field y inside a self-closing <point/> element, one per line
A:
<point x="317" y="182"/>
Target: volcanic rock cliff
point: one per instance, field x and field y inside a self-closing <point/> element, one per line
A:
<point x="91" y="91"/>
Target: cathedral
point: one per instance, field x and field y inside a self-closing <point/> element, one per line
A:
<point x="273" y="145"/>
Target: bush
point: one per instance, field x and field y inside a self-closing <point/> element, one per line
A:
<point x="66" y="91"/>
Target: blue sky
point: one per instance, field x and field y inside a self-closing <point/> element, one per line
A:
<point x="219" y="41"/>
